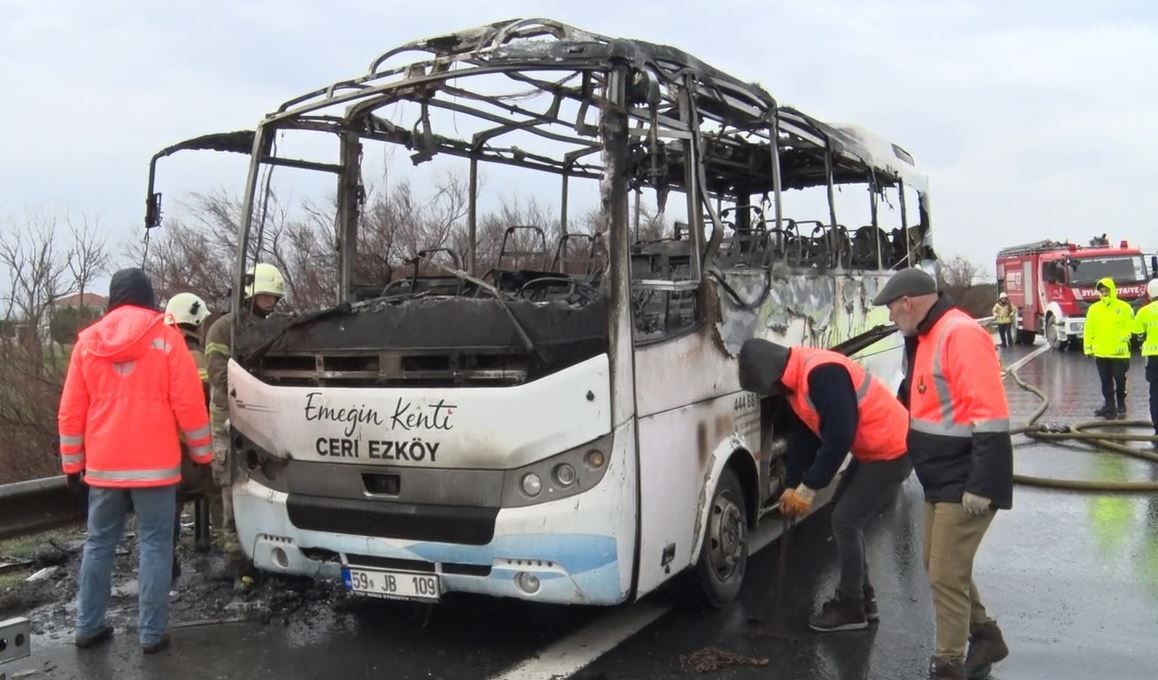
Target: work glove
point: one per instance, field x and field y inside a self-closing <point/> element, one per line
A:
<point x="975" y="505"/>
<point x="75" y="483"/>
<point x="795" y="503"/>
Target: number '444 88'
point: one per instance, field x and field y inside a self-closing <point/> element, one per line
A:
<point x="745" y="401"/>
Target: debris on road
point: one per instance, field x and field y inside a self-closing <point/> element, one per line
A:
<point x="712" y="659"/>
<point x="42" y="575"/>
<point x="205" y="592"/>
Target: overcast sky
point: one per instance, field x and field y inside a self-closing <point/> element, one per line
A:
<point x="1032" y="119"/>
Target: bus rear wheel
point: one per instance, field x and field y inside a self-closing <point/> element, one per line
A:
<point x="724" y="554"/>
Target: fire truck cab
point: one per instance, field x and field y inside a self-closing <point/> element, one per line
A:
<point x="1051" y="284"/>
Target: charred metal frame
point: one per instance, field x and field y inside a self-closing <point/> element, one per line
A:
<point x="690" y="128"/>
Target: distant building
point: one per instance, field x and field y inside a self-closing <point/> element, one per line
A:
<point x="90" y="300"/>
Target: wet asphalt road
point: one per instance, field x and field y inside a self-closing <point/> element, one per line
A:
<point x="1072" y="579"/>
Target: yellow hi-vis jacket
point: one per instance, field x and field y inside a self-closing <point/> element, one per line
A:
<point x="1109" y="325"/>
<point x="1146" y="324"/>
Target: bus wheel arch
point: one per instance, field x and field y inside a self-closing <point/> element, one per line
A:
<point x="722" y="557"/>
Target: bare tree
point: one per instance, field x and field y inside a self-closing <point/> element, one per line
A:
<point x="38" y="269"/>
<point x="88" y="258"/>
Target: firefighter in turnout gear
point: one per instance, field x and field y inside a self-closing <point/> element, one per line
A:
<point x="264" y="287"/>
<point x="188" y="312"/>
<point x="962" y="452"/>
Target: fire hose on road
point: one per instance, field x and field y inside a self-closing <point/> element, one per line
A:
<point x="1082" y="433"/>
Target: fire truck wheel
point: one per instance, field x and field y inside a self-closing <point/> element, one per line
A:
<point x="1026" y="337"/>
<point x="724" y="553"/>
<point x="1051" y="335"/>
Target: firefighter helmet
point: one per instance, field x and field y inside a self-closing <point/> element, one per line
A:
<point x="264" y="279"/>
<point x="1152" y="289"/>
<point x="186" y="308"/>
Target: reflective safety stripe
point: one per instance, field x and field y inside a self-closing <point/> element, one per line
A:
<point x="863" y="390"/>
<point x="72" y="459"/>
<point x="940" y="382"/>
<point x="201" y="451"/>
<point x="991" y="425"/>
<point x="203" y="374"/>
<point x="161" y="344"/>
<point x="217" y="348"/>
<point x="943" y="429"/>
<point x="199" y="433"/>
<point x="71" y="439"/>
<point x="132" y="475"/>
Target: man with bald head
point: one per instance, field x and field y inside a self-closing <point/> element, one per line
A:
<point x="960" y="448"/>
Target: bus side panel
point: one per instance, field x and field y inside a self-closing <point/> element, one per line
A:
<point x="677" y="444"/>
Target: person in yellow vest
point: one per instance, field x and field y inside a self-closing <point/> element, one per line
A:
<point x="1106" y="337"/>
<point x="1003" y="317"/>
<point x="1146" y="324"/>
<point x="187" y="311"/>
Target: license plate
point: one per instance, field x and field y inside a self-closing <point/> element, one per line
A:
<point x="393" y="585"/>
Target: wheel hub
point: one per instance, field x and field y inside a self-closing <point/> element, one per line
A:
<point x="726" y="534"/>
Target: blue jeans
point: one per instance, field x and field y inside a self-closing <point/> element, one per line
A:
<point x="107" y="508"/>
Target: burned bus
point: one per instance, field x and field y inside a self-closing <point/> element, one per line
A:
<point x="558" y="418"/>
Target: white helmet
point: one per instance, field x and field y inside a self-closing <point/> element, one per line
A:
<point x="264" y="279"/>
<point x="186" y="308"/>
<point x="1152" y="289"/>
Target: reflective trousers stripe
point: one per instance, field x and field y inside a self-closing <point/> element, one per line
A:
<point x="71" y="439"/>
<point x="132" y="475"/>
<point x="72" y="459"/>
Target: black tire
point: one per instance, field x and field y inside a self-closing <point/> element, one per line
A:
<point x="724" y="554"/>
<point x="1026" y="337"/>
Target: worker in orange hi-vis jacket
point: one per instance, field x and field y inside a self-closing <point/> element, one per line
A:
<point x="132" y="391"/>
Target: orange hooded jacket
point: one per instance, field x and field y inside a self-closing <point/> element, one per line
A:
<point x="131" y="384"/>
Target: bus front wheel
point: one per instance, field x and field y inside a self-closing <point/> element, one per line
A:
<point x="724" y="553"/>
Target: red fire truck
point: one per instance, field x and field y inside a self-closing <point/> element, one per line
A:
<point x="1051" y="284"/>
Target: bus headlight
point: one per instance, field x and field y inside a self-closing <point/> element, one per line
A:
<point x="564" y="474"/>
<point x="532" y="484"/>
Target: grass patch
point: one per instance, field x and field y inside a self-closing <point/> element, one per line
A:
<point x="13" y="578"/>
<point x="25" y="547"/>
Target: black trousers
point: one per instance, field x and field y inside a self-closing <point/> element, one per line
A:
<point x="1005" y="330"/>
<point x="1112" y="372"/>
<point x="867" y="489"/>
<point x="1152" y="378"/>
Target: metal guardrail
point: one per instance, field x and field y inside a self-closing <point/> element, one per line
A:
<point x="43" y="504"/>
<point x="37" y="505"/>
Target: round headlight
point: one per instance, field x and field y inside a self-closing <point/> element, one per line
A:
<point x="532" y="485"/>
<point x="595" y="459"/>
<point x="564" y="474"/>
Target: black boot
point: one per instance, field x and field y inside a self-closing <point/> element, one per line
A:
<point x="1107" y="411"/>
<point x="1121" y="412"/>
<point x="837" y="615"/>
<point x="871" y="612"/>
<point x="986" y="647"/>
<point x="946" y="669"/>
